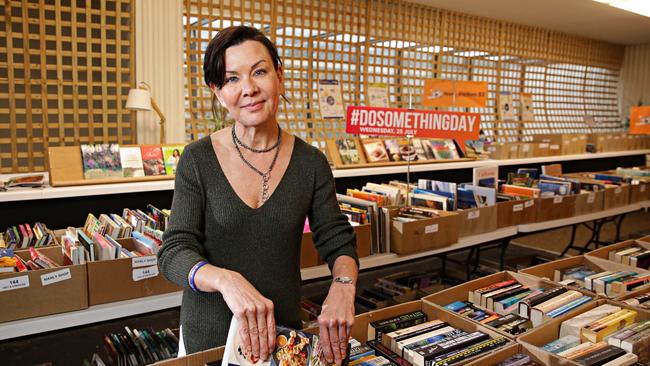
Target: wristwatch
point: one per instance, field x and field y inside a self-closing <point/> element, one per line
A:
<point x="344" y="279"/>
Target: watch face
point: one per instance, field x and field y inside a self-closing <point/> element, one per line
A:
<point x="343" y="279"/>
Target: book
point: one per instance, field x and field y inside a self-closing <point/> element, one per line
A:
<point x="638" y="344"/>
<point x="152" y="160"/>
<point x="576" y="351"/>
<point x="603" y="355"/>
<point x="486" y="176"/>
<point x="101" y="161"/>
<point x="420" y="356"/>
<point x="375" y="150"/>
<point x="474" y="296"/>
<point x="616" y="338"/>
<point x="526" y="305"/>
<point x="598" y="330"/>
<point x="330" y="99"/>
<point x="131" y="160"/>
<point x="442" y="150"/>
<point x="627" y="359"/>
<point x="171" y="156"/>
<point x="519" y="359"/>
<point x="348" y="151"/>
<point x="468" y="352"/>
<point x="568" y="307"/>
<point x="561" y="344"/>
<point x="574" y="325"/>
<point x="538" y="311"/>
<point x="377" y="328"/>
<point x="378" y="95"/>
<point x="390" y="339"/>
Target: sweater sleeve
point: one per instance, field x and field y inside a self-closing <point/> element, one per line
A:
<point x="183" y="239"/>
<point x="333" y="234"/>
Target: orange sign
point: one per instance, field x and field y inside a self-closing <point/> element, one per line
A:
<point x="640" y="120"/>
<point x="454" y="93"/>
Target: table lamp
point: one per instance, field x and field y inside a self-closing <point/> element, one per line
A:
<point x="140" y="99"/>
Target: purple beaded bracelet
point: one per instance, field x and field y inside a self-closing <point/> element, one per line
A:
<point x="193" y="273"/>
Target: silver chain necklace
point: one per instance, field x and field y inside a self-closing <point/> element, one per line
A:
<point x="266" y="177"/>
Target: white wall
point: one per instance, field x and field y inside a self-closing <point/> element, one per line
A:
<point x="635" y="78"/>
<point x="159" y="63"/>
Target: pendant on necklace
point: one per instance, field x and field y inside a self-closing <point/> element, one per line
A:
<point x="265" y="186"/>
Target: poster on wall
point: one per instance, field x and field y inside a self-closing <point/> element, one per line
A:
<point x="330" y="99"/>
<point x="378" y="95"/>
<point x="454" y="93"/>
<point x="506" y="108"/>
<point x="527" y="112"/>
<point x="640" y="120"/>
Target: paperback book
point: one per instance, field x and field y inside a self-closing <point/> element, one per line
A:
<point x="101" y="161"/>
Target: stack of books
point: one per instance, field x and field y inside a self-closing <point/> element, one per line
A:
<point x="606" y="283"/>
<point x="137" y="347"/>
<point x="641" y="301"/>
<point x="520" y="359"/>
<point x="374" y="150"/>
<point x="11" y="262"/>
<point x="413" y="339"/>
<point x="24" y="236"/>
<point x="510" y="323"/>
<point x="607" y="333"/>
<point x="634" y="255"/>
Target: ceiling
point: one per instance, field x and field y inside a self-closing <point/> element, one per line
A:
<point x="585" y="18"/>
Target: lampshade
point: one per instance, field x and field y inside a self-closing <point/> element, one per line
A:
<point x="139" y="99"/>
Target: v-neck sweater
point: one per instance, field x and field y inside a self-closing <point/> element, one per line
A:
<point x="210" y="222"/>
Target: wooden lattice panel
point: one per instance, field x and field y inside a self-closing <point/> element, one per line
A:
<point x="401" y="44"/>
<point x="66" y="67"/>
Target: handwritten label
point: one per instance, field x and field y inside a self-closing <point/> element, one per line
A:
<point x="557" y="199"/>
<point x="618" y="190"/>
<point x="56" y="276"/>
<point x="14" y="283"/>
<point x="145" y="272"/>
<point x="148" y="260"/>
<point x="543" y="145"/>
<point x="518" y="207"/>
<point x="474" y="215"/>
<point x="529" y="203"/>
<point x="433" y="228"/>
<point x="591" y="198"/>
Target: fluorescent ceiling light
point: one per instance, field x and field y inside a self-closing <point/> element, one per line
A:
<point x="641" y="7"/>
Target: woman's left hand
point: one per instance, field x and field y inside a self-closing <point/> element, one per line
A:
<point x="336" y="320"/>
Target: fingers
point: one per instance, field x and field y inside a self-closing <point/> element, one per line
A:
<point x="325" y="339"/>
<point x="335" y="341"/>
<point x="270" y="326"/>
<point x="344" y="334"/>
<point x="263" y="334"/>
<point x="244" y="334"/>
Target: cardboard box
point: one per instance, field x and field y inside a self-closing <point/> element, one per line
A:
<point x="510" y="213"/>
<point x="536" y="354"/>
<point x="603" y="253"/>
<point x="309" y="256"/>
<point x="588" y="202"/>
<point x="435" y="312"/>
<point x="195" y="359"/>
<point x="126" y="278"/>
<point x="502" y="151"/>
<point x="422" y="235"/>
<point x="639" y="192"/>
<point x="45" y="291"/>
<point x="461" y="292"/>
<point x="555" y="208"/>
<point x="616" y="196"/>
<point x="525" y="150"/>
<point x="543" y="149"/>
<point x="478" y="221"/>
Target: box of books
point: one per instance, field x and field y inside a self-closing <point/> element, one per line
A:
<point x="633" y="253"/>
<point x="120" y="279"/>
<point x="41" y="284"/>
<point x="500" y="151"/>
<point x="309" y="256"/>
<point x="511" y="303"/>
<point x="210" y="357"/>
<point x="616" y="196"/>
<point x="588" y="202"/>
<point x="421" y="333"/>
<point x="595" y="275"/>
<point x="555" y="208"/>
<point x="639" y="192"/>
<point x="515" y="212"/>
<point x="475" y="221"/>
<point x="603" y="331"/>
<point x="525" y="150"/>
<point x="519" y="355"/>
<point x="638" y="299"/>
<point x="413" y="234"/>
<point x="541" y="149"/>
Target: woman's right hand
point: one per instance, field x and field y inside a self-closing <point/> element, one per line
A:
<point x="254" y="312"/>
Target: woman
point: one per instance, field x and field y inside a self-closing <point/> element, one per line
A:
<point x="240" y="202"/>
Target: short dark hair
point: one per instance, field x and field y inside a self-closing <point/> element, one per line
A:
<point x="214" y="62"/>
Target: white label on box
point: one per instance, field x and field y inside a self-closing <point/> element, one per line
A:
<point x="518" y="207"/>
<point x="591" y="198"/>
<point x="529" y="203"/>
<point x="642" y="188"/>
<point x="148" y="260"/>
<point x="56" y="276"/>
<point x="525" y="148"/>
<point x="543" y="145"/>
<point x="474" y="215"/>
<point x="492" y="149"/>
<point x="555" y="147"/>
<point x="14" y="283"/>
<point x="433" y="228"/>
<point x="145" y="272"/>
<point x="557" y="199"/>
<point x="618" y="190"/>
<point x="513" y="148"/>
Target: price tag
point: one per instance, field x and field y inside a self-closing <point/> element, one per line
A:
<point x="529" y="203"/>
<point x="433" y="228"/>
<point x="642" y="188"/>
<point x="148" y="260"/>
<point x="543" y="145"/>
<point x="56" y="276"/>
<point x="145" y="272"/>
<point x="474" y="215"/>
<point x="591" y="198"/>
<point x="518" y="207"/>
<point x="618" y="190"/>
<point x="513" y="148"/>
<point x="557" y="199"/>
<point x="554" y="147"/>
<point x="14" y="283"/>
